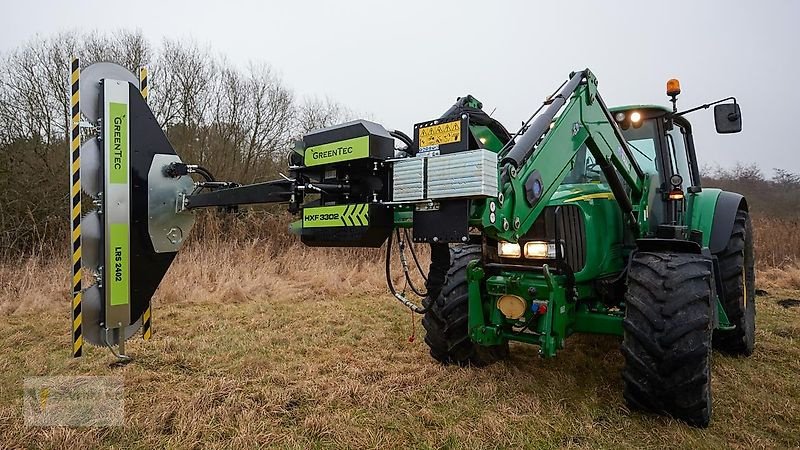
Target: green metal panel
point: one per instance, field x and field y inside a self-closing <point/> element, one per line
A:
<point x="700" y="210"/>
<point x="603" y="227"/>
<point x="354" y="148"/>
<point x="352" y="215"/>
<point x="487" y="139"/>
<point x="403" y="217"/>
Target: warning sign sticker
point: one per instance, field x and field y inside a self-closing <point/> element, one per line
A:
<point x="444" y="133"/>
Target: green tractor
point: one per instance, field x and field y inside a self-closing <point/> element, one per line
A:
<point x="586" y="220"/>
<point x="622" y="240"/>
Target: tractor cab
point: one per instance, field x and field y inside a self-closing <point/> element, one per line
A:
<point x="658" y="141"/>
<point x="662" y="143"/>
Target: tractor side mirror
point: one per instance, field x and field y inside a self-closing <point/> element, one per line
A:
<point x="728" y="118"/>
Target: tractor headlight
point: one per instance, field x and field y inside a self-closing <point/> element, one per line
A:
<point x="541" y="250"/>
<point x="508" y="250"/>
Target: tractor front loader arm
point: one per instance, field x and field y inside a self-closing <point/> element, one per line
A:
<point x="536" y="163"/>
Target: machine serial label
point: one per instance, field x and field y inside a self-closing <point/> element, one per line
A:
<point x="333" y="152"/>
<point x="336" y="216"/>
<point x="116" y="202"/>
<point x="444" y="133"/>
<point x="118" y="275"/>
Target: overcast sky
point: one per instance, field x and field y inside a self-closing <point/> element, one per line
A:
<point x="403" y="62"/>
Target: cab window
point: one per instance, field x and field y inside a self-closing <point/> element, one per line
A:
<point x="642" y="142"/>
<point x="643" y="145"/>
<point x="676" y="140"/>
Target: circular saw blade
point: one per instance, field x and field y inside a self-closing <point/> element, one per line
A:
<point x="91" y="240"/>
<point x="90" y="85"/>
<point x="91" y="178"/>
<point x="93" y="333"/>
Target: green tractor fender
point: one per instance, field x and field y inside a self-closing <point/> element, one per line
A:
<point x="713" y="212"/>
<point x="728" y="203"/>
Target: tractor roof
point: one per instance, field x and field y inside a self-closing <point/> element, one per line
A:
<point x="629" y="107"/>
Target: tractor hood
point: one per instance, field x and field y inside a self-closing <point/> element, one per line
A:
<point x="570" y="193"/>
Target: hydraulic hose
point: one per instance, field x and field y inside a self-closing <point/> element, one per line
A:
<point x="408" y="303"/>
<point x="405" y="139"/>
<point x="205" y="173"/>
<point x="401" y="243"/>
<point x="414" y="255"/>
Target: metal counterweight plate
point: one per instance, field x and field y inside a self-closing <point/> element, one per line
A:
<point x="91" y="241"/>
<point x="90" y="85"/>
<point x="93" y="333"/>
<point x="91" y="156"/>
<point x="167" y="228"/>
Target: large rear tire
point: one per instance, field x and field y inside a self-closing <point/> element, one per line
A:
<point x="667" y="336"/>
<point x="445" y="322"/>
<point x="737" y="270"/>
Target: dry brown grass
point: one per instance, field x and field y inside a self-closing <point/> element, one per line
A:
<point x="265" y="342"/>
<point x="777" y="242"/>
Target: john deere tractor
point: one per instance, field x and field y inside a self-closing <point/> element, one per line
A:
<point x="588" y="219"/>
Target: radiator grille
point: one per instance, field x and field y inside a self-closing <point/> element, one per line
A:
<point x="571" y="230"/>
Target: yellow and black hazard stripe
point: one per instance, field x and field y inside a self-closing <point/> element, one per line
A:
<point x="147" y="323"/>
<point x="147" y="329"/>
<point x="143" y="87"/>
<point x="75" y="171"/>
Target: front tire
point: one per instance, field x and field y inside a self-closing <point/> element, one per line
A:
<point x="667" y="336"/>
<point x="737" y="269"/>
<point x="445" y="322"/>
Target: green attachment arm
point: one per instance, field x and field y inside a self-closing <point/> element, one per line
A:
<point x="533" y="169"/>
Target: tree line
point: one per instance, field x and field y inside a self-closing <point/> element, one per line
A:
<point x="776" y="196"/>
<point x="238" y="121"/>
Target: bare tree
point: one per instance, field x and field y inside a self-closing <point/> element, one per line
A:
<point x="786" y="178"/>
<point x="316" y="113"/>
<point x="238" y="122"/>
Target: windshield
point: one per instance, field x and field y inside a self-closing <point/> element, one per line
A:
<point x="585" y="169"/>
<point x="643" y="146"/>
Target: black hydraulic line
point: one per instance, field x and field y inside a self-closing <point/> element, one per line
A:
<point x="177" y="169"/>
<point x="406" y="302"/>
<point x="612" y="178"/>
<point x="496" y="127"/>
<point x="406" y="140"/>
<point x="404" y="262"/>
<point x="523" y="149"/>
<point x="278" y="191"/>
<point x="477" y="116"/>
<point x="205" y="173"/>
<point x="414" y="255"/>
<point x="527" y="324"/>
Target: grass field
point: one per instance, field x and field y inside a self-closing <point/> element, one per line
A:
<point x="268" y="343"/>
